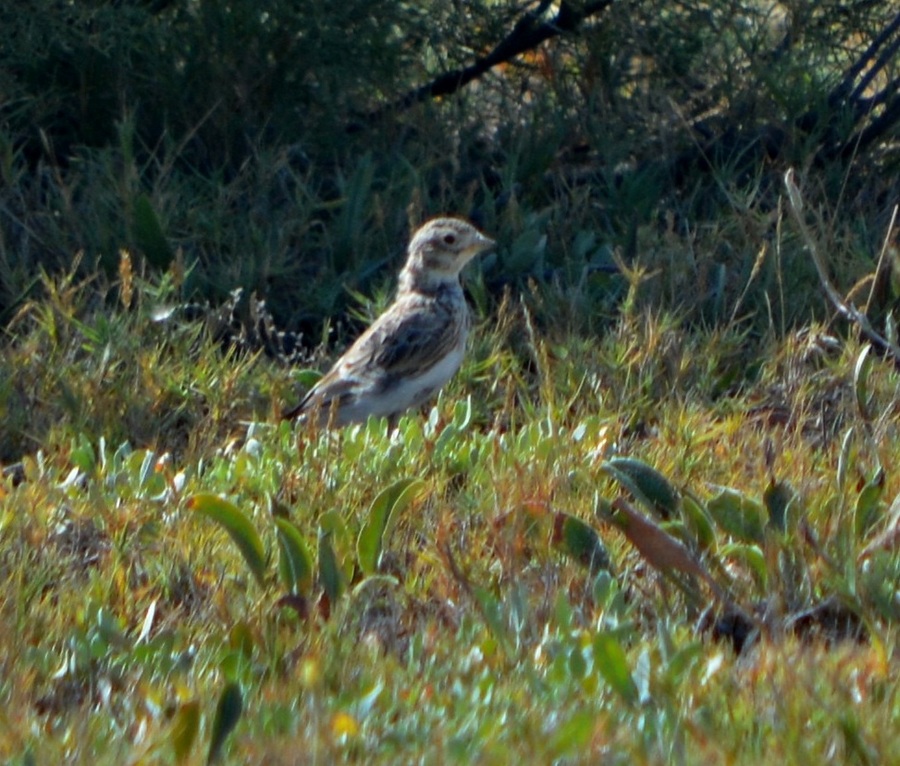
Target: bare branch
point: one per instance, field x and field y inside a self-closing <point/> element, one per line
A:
<point x="846" y="310"/>
<point x="528" y="33"/>
<point x="770" y="139"/>
<point x="879" y="126"/>
<point x="853" y="72"/>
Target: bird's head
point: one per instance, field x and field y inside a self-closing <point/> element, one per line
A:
<point x="438" y="251"/>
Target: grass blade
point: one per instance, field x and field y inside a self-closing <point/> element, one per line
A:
<point x="149" y="235"/>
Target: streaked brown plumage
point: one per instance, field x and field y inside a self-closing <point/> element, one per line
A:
<point x="416" y="345"/>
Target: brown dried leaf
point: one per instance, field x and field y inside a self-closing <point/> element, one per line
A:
<point x="660" y="549"/>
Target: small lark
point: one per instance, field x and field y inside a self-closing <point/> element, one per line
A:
<point x="414" y="347"/>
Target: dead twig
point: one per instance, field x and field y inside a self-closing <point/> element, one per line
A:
<point x="847" y="310"/>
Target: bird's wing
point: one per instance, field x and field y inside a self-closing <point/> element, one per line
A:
<point x="408" y="337"/>
<point x="415" y="341"/>
<point x="328" y="388"/>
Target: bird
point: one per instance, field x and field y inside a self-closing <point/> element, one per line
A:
<point x="409" y="352"/>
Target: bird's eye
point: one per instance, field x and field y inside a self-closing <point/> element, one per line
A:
<point x="449" y="238"/>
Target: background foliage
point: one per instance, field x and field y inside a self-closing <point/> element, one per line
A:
<point x="270" y="148"/>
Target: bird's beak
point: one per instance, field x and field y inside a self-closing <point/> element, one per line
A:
<point x="483" y="243"/>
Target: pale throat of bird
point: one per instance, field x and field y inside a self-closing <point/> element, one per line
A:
<point x="420" y="277"/>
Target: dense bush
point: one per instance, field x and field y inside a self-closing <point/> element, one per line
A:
<point x="221" y="76"/>
<point x="272" y="148"/>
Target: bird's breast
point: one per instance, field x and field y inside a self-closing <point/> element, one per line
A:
<point x="415" y="390"/>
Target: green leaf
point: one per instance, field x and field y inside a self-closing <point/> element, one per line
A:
<point x="844" y="459"/>
<point x="697" y="520"/>
<point x="445" y="439"/>
<point x="306" y="377"/>
<point x="489" y="606"/>
<point x="861" y="371"/>
<point x="149" y="235"/>
<point x="609" y="657"/>
<point x="647" y="484"/>
<point x="890" y="332"/>
<point x="238" y="526"/>
<point x="384" y="509"/>
<point x="751" y="556"/>
<point x="525" y="251"/>
<point x="228" y="713"/>
<point x="185" y="729"/>
<point x="573" y="736"/>
<point x="240" y="639"/>
<point x="868" y="504"/>
<point x="738" y="515"/>
<point x="683" y="661"/>
<point x="148" y="468"/>
<point x="782" y="504"/>
<point x="295" y="565"/>
<point x="580" y="541"/>
<point x="341" y="541"/>
<point x="332" y="521"/>
<point x="82" y="454"/>
<point x="577" y="663"/>
<point x="462" y="414"/>
<point x="330" y="574"/>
